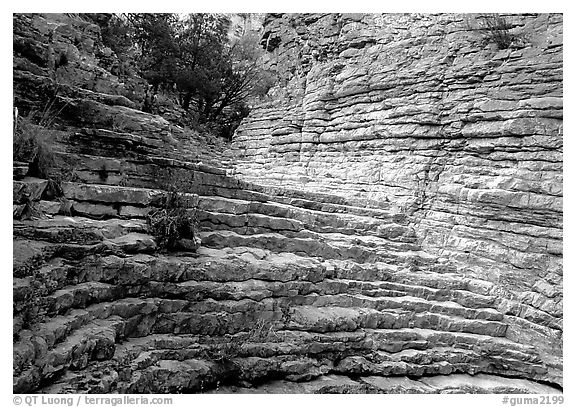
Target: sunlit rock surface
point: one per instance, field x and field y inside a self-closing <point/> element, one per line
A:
<point x="390" y="221"/>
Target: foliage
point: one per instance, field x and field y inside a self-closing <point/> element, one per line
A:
<point x="192" y="56"/>
<point x="202" y="60"/>
<point x="259" y="332"/>
<point x="243" y="79"/>
<point x="30" y="131"/>
<point x="496" y="29"/>
<point x="28" y="146"/>
<point x="174" y="220"/>
<point x="116" y="34"/>
<point x="155" y="37"/>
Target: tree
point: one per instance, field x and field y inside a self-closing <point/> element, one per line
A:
<point x="245" y="77"/>
<point x="194" y="56"/>
<point x="156" y="37"/>
<point x="202" y="62"/>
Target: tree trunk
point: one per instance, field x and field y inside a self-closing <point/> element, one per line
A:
<point x="219" y="109"/>
<point x="186" y="101"/>
<point x="206" y="111"/>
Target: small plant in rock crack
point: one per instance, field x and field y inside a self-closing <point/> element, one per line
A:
<point x="103" y="173"/>
<point x="29" y="147"/>
<point x="223" y="353"/>
<point x="497" y="29"/>
<point x="174" y="223"/>
<point x="261" y="330"/>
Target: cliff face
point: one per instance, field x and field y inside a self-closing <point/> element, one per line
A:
<point x="394" y="225"/>
<point x="427" y="115"/>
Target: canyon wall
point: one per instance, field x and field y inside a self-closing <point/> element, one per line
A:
<point x="389" y="221"/>
<point x="432" y="116"/>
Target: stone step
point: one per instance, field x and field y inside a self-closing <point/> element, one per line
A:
<point x="275" y="342"/>
<point x="312" y="199"/>
<point x="298" y="368"/>
<point x="58" y="328"/>
<point x="359" y="195"/>
<point x="146" y="267"/>
<point x="429" y="352"/>
<point x="138" y="146"/>
<point x="29" y="255"/>
<point x="487" y="384"/>
<point x="93" y="341"/>
<point x="334" y="318"/>
<point x="253" y="361"/>
<point x="390" y="288"/>
<point x="439" y="384"/>
<point x="141" y="269"/>
<point x="232" y="264"/>
<point x="211" y="181"/>
<point x="438" y="360"/>
<point x="307" y="293"/>
<point x="249" y="311"/>
<point x="97" y="200"/>
<point x="108" y="201"/>
<point x="248" y="223"/>
<point x="28" y="189"/>
<point x="361" y="249"/>
<point x="66" y="229"/>
<point x="82" y="295"/>
<point x="393" y="340"/>
<point x="227" y="301"/>
<point x="266" y="217"/>
<point x="230" y="317"/>
<point x="240" y="264"/>
<point x="149" y="170"/>
<point x="407" y="303"/>
<point x="500" y="352"/>
<point x="19" y="170"/>
<point x="287" y="206"/>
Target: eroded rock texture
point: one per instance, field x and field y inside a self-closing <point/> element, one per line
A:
<point x="427" y="116"/>
<point x="394" y="223"/>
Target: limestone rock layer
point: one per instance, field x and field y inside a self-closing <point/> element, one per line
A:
<point x="427" y="115"/>
<point x="390" y="221"/>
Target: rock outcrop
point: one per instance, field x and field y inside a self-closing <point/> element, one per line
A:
<point x="428" y="115"/>
<point x="393" y="224"/>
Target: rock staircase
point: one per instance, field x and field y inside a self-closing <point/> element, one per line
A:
<point x="291" y="291"/>
<point x="288" y="293"/>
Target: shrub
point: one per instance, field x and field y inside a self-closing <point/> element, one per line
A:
<point x="29" y="134"/>
<point x="496" y="29"/>
<point x="212" y="75"/>
<point x="29" y="147"/>
<point x="174" y="223"/>
<point x="103" y="173"/>
<point x="259" y="332"/>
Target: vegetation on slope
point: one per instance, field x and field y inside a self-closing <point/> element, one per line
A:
<point x="192" y="59"/>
